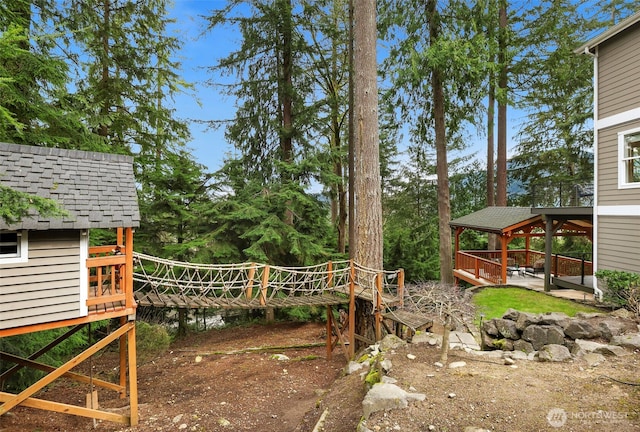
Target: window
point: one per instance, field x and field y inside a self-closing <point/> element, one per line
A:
<point x="629" y="151"/>
<point x="13" y="247"/>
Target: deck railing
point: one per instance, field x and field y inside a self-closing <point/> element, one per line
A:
<point x="487" y="264"/>
<point x="109" y="287"/>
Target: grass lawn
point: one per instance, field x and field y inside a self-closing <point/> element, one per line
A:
<point x="494" y="302"/>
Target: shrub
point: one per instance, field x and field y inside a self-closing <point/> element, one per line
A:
<point x="621" y="289"/>
<point x="151" y="340"/>
<point x="26" y="344"/>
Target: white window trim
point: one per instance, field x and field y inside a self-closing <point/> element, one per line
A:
<point x="84" y="273"/>
<point x="622" y="169"/>
<point x="23" y="255"/>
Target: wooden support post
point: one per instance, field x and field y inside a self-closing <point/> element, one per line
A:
<point x="378" y="306"/>
<point x="133" y="375"/>
<point x="249" y="289"/>
<point x="401" y="286"/>
<point x="352" y="310"/>
<point x="41" y="383"/>
<point x="264" y="287"/>
<point x="122" y="343"/>
<point x="128" y="269"/>
<point x="330" y="274"/>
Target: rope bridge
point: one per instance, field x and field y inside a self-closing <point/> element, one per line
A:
<point x="166" y="283"/>
<point x="174" y="284"/>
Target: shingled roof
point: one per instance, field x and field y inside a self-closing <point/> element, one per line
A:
<point x="496" y="219"/>
<point x="97" y="189"/>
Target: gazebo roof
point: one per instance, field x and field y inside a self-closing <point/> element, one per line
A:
<point x="97" y="189"/>
<point x="498" y="219"/>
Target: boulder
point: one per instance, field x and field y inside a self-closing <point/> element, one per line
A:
<point x="523" y="346"/>
<point x="507" y="328"/>
<point x="611" y="327"/>
<point x="384" y="396"/>
<point x="489" y="327"/>
<point x="526" y="319"/>
<point x="511" y="314"/>
<point x="580" y="329"/>
<point x="487" y="342"/>
<point x="540" y="335"/>
<point x="503" y="344"/>
<point x="555" y="335"/>
<point x="553" y="353"/>
<point x="628" y="341"/>
<point x="554" y="318"/>
<point x="582" y="347"/>
<point x="535" y="334"/>
<point x="391" y="342"/>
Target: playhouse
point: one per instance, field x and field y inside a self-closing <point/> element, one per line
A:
<point x="52" y="276"/>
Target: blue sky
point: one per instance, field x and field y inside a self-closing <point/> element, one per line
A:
<point x="207" y="103"/>
<point x="204" y="102"/>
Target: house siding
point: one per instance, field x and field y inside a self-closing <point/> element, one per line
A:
<point x="607" y="182"/>
<point x="46" y="288"/>
<point x="618" y="78"/>
<point x="618" y="237"/>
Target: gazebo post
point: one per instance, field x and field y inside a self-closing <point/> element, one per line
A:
<point x="504" y="242"/>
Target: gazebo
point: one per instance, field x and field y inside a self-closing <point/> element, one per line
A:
<point x="491" y="267"/>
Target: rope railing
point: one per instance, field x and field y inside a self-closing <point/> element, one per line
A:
<point x="260" y="284"/>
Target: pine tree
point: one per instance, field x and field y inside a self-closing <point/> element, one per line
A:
<point x="35" y="107"/>
<point x="436" y="65"/>
<point x="272" y="131"/>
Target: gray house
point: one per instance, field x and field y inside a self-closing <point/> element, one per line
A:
<point x="616" y="215"/>
<point x="50" y="275"/>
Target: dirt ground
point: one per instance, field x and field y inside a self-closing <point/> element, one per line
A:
<point x="202" y="384"/>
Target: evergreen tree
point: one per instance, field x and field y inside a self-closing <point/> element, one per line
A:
<point x="35" y="107"/>
<point x="271" y="130"/>
<point x="436" y="65"/>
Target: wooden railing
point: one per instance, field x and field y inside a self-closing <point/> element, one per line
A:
<point x="487" y="264"/>
<point x="479" y="266"/>
<point x="110" y="282"/>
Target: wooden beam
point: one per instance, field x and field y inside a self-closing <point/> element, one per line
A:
<point x="71" y="375"/>
<point x="41" y="383"/>
<point x="133" y="375"/>
<point x="66" y="409"/>
<point x="41" y="351"/>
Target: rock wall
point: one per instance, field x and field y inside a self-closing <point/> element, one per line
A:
<point x="522" y="331"/>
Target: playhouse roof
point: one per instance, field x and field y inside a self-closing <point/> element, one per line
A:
<point x="97" y="189"/>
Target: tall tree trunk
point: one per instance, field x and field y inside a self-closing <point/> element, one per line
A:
<point x="338" y="193"/>
<point x="442" y="170"/>
<point x="501" y="187"/>
<point x="285" y="90"/>
<point x="367" y="159"/>
<point x="352" y="144"/>
<point x="493" y="239"/>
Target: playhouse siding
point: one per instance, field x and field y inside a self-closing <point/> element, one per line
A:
<point x="618" y="240"/>
<point x="47" y="287"/>
<point x="608" y="192"/>
<point x="618" y="77"/>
